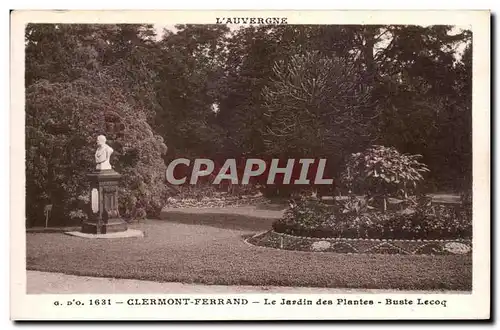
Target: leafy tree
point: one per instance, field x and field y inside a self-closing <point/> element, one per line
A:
<point x="421" y="106"/>
<point x="189" y="74"/>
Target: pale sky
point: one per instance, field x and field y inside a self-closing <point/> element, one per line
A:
<point x="159" y="28"/>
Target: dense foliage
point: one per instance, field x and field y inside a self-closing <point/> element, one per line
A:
<point x="311" y="218"/>
<point x="415" y="94"/>
<point x="257" y="91"/>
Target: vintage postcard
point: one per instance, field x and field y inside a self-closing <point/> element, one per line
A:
<point x="250" y="165"/>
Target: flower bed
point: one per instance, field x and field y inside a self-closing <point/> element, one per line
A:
<point x="215" y="201"/>
<point x="425" y="221"/>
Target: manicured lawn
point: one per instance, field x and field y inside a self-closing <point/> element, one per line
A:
<point x="213" y="255"/>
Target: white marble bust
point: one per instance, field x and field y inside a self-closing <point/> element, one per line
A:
<point x="102" y="154"/>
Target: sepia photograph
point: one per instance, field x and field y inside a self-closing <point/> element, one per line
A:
<point x="184" y="163"/>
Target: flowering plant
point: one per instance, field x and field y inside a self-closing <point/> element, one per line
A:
<point x="383" y="172"/>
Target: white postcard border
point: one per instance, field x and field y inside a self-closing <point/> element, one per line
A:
<point x="462" y="306"/>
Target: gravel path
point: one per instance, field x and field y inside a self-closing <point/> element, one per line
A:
<point x="57" y="283"/>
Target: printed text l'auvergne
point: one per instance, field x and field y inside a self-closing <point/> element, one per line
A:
<point x="252" y="20"/>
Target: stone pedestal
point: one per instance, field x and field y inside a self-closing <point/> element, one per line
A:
<point x="104" y="217"/>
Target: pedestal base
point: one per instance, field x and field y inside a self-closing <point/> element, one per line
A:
<point x="129" y="233"/>
<point x="113" y="226"/>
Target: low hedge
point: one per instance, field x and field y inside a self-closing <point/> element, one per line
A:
<point x="316" y="219"/>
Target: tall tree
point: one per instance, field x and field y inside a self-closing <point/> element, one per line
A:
<point x="419" y="72"/>
<point x="189" y="76"/>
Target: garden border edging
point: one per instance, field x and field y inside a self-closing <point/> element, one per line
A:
<point x="372" y="239"/>
<point x="378" y="244"/>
